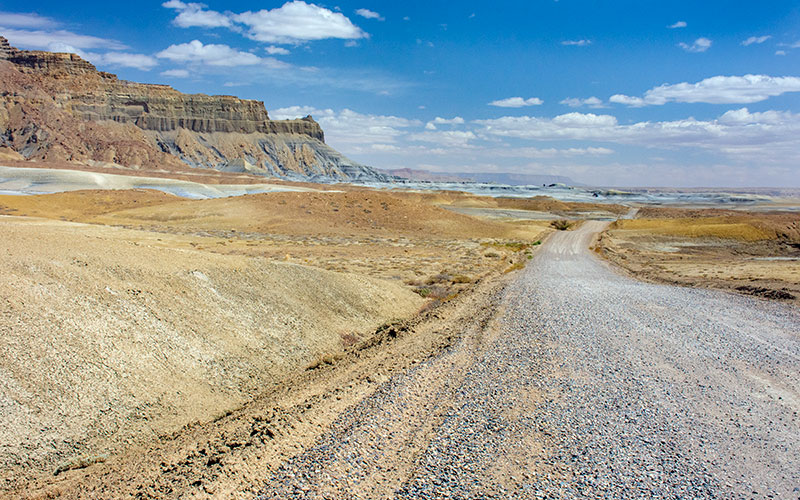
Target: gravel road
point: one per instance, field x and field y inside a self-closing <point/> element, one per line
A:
<point x="586" y="384"/>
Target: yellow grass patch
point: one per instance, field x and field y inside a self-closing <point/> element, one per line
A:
<point x="713" y="227"/>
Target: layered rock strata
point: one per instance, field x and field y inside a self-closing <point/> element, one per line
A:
<point x="57" y="106"/>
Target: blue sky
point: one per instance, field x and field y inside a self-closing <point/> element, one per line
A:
<point x="608" y="93"/>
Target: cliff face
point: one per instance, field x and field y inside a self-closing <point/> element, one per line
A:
<point x="57" y="106"/>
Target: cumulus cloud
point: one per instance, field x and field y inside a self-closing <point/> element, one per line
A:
<point x="368" y="14"/>
<point x="679" y="24"/>
<point x="293" y="23"/>
<point x="123" y="59"/>
<point x="736" y="132"/>
<point x="214" y="55"/>
<point x="195" y="15"/>
<point x="715" y="90"/>
<point x="48" y="40"/>
<point x="577" y="43"/>
<point x="516" y="102"/>
<point x="25" y="20"/>
<point x="756" y="40"/>
<point x="449" y="138"/>
<point x="350" y="128"/>
<point x="591" y="102"/>
<point x="743" y="116"/>
<point x="280" y="51"/>
<point x="700" y="45"/>
<point x="297" y="22"/>
<point x="431" y="125"/>
<point x="456" y="120"/>
<point x="176" y="73"/>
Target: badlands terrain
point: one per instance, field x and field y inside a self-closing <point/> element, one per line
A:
<point x="342" y="342"/>
<point x="198" y="303"/>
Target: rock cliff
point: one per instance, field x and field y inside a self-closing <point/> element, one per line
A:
<point x="56" y="106"/>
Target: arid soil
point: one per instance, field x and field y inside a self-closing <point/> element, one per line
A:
<point x="128" y="315"/>
<point x="567" y="380"/>
<point x="753" y="253"/>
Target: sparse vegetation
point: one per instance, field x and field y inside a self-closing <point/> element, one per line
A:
<point x="515" y="267"/>
<point x="561" y="224"/>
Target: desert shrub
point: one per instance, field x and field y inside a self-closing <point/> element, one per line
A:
<point x="462" y="279"/>
<point x="436" y="292"/>
<point x="561" y="224"/>
<point x="515" y="267"/>
<point x="491" y="255"/>
<point x="438" y="278"/>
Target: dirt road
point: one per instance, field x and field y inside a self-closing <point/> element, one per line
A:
<point x="587" y="384"/>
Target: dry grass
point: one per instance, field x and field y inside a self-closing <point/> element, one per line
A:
<point x="752" y="253"/>
<point x="708" y="227"/>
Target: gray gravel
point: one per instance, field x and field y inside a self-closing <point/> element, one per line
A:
<point x="587" y="385"/>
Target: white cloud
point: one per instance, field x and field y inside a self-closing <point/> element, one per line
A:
<point x="627" y="100"/>
<point x="584" y="120"/>
<point x="516" y="102"/>
<point x="744" y="116"/>
<point x="296" y="22"/>
<point x="737" y="133"/>
<point x="138" y="61"/>
<point x="25" y="20"/>
<point x="756" y="40"/>
<point x="457" y="120"/>
<point x="46" y="40"/>
<point x="214" y="55"/>
<point x="679" y="24"/>
<point x="368" y="14"/>
<point x="176" y="73"/>
<point x="592" y="102"/>
<point x="780" y="52"/>
<point x="280" y="51"/>
<point x="431" y="125"/>
<point x="550" y="152"/>
<point x="351" y="128"/>
<point x="715" y="90"/>
<point x="577" y="43"/>
<point x="195" y="15"/>
<point x="700" y="45"/>
<point x="448" y="138"/>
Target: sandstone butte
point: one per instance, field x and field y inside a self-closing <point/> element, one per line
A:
<point x="59" y="107"/>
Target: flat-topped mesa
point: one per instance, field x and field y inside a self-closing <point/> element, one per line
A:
<point x="161" y="108"/>
<point x="154" y="107"/>
<point x="56" y="106"/>
<point x="45" y="62"/>
<point x="5" y="48"/>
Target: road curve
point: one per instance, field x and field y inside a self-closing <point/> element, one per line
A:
<point x="587" y="385"/>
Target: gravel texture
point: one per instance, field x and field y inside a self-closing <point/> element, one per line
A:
<point x="587" y="384"/>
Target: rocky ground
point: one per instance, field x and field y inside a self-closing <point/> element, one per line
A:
<point x="587" y="384"/>
<point x="563" y="380"/>
<point x="129" y="314"/>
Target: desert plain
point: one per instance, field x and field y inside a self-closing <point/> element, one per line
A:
<point x="138" y="324"/>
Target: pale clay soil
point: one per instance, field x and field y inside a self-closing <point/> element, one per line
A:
<point x="563" y="380"/>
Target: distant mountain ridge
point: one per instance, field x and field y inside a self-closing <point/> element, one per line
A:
<point x="57" y="106"/>
<point x="498" y="178"/>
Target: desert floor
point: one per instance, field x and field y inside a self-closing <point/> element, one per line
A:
<point x="164" y="347"/>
